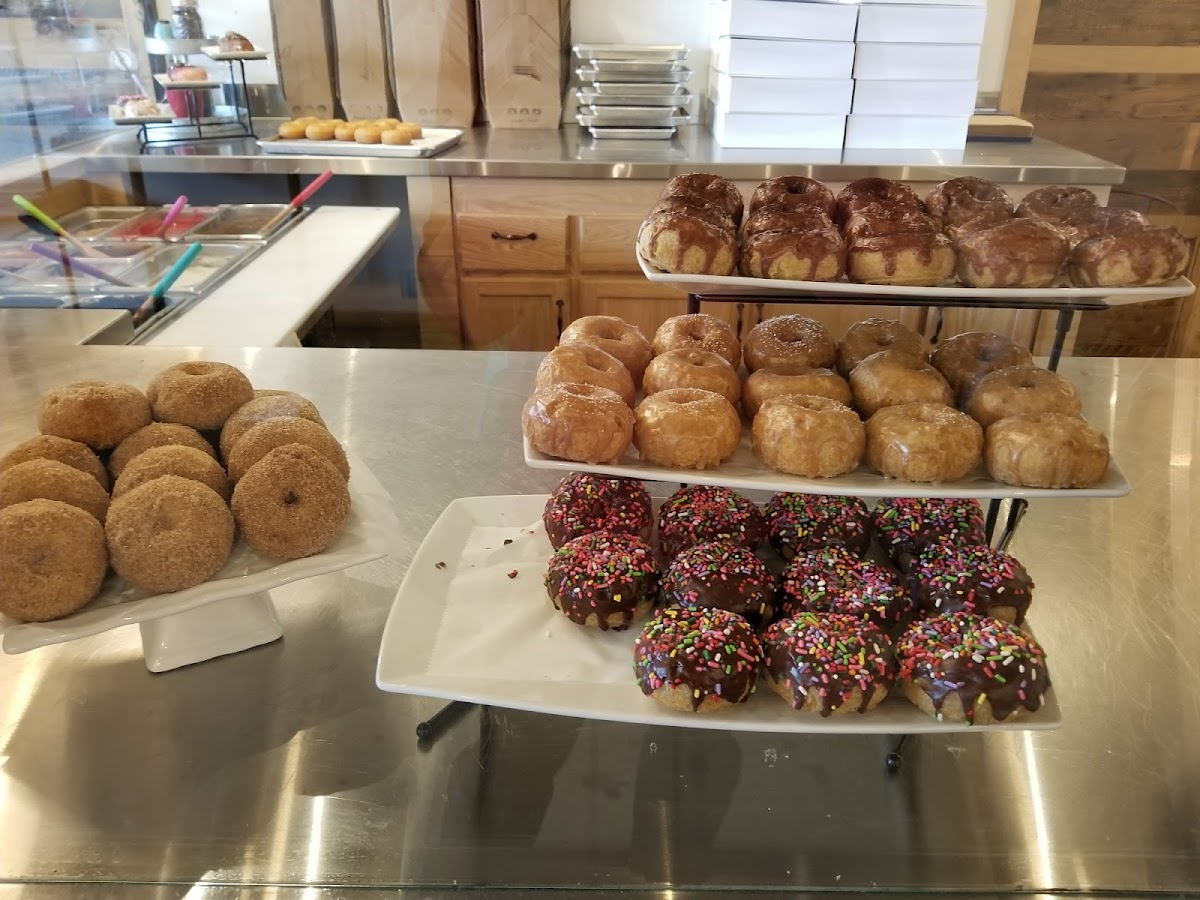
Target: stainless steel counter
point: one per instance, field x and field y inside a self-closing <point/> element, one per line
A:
<point x="285" y="766"/>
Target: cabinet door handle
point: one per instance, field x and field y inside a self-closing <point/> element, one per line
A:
<point x="504" y="236"/>
<point x="559" y="304"/>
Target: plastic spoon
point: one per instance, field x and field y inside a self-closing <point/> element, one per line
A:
<point x="58" y="230"/>
<point x="299" y="199"/>
<point x="77" y="265"/>
<point x="154" y="302"/>
<point x="173" y="214"/>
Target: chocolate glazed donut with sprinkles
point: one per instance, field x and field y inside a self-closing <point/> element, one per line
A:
<point x="829" y="663"/>
<point x="703" y="513"/>
<point x="968" y="668"/>
<point x="583" y="503"/>
<point x="905" y="526"/>
<point x="832" y="579"/>
<point x="797" y="523"/>
<point x="604" y="580"/>
<point x="722" y="575"/>
<point x="946" y="579"/>
<point x="697" y="660"/>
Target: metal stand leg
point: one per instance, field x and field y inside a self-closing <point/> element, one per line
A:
<point x="993" y="512"/>
<point x="894" y="761"/>
<point x="1016" y="511"/>
<point x="937" y="324"/>
<point x="1061" y="328"/>
<point x="432" y="728"/>
<point x="693" y="304"/>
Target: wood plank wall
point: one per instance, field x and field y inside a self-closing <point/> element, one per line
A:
<point x="1121" y="80"/>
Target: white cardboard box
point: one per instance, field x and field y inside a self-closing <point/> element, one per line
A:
<point x="801" y="96"/>
<point x="906" y="132"/>
<point x="929" y="98"/>
<point x="777" y="130"/>
<point x="783" y="59"/>
<point x="934" y="62"/>
<point x="902" y="24"/>
<point x="790" y="20"/>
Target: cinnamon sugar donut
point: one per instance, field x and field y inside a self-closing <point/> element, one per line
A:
<point x="782" y="381"/>
<point x="893" y="377"/>
<point x="585" y="364"/>
<point x="1019" y="390"/>
<point x="967" y="357"/>
<point x="692" y="368"/>
<point x="807" y="435"/>
<point x="173" y="459"/>
<point x="52" y="560"/>
<point x="961" y="200"/>
<point x="686" y="428"/>
<point x="875" y="334"/>
<point x="793" y="191"/>
<point x="268" y="406"/>
<point x="1022" y="253"/>
<point x="612" y="335"/>
<point x="579" y="422"/>
<point x="923" y="442"/>
<point x="100" y="414"/>
<point x="1048" y="450"/>
<point x="1155" y="254"/>
<point x="279" y="432"/>
<point x="48" y="446"/>
<point x="707" y="190"/>
<point x="794" y="255"/>
<point x="778" y="217"/>
<point x="201" y="395"/>
<point x="866" y="191"/>
<point x="699" y="330"/>
<point x="912" y="258"/>
<point x="48" y="479"/>
<point x="788" y="341"/>
<point x="877" y="220"/>
<point x="156" y="434"/>
<point x="676" y="241"/>
<point x="1060" y="206"/>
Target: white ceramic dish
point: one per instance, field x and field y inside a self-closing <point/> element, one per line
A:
<point x="371" y="532"/>
<point x="221" y="55"/>
<point x="166" y="82"/>
<point x="462" y="629"/>
<point x="431" y="142"/>
<point x="117" y="116"/>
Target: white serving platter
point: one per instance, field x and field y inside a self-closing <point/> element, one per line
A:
<point x="461" y="628"/>
<point x="168" y="84"/>
<point x="371" y="532"/>
<point x="431" y="142"/>
<point x="117" y="116"/>
<point x="222" y="55"/>
<point x="849" y="292"/>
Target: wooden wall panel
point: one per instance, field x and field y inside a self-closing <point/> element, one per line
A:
<point x="1118" y="22"/>
<point x="1091" y="96"/>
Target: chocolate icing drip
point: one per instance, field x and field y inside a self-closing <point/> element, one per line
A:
<point x="879" y="220"/>
<point x="793" y="191"/>
<point x="707" y="189"/>
<point x="1152" y="255"/>
<point x="722" y="575"/>
<point x="665" y="239"/>
<point x="905" y="526"/>
<point x="682" y="206"/>
<point x="795" y="255"/>
<point x="923" y="245"/>
<point x="603" y="575"/>
<point x="866" y="191"/>
<point x="1019" y="253"/>
<point x="779" y="217"/>
<point x="1059" y="205"/>
<point x="946" y="578"/>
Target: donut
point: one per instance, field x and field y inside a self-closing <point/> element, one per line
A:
<point x="947" y="578"/>
<point x="699" y="514"/>
<point x="345" y="131"/>
<point x="612" y="335"/>
<point x="875" y="334"/>
<point x="923" y="442"/>
<point x="100" y="414"/>
<point x="173" y="459"/>
<point x="266" y="436"/>
<point x="388" y="122"/>
<point x="697" y="660"/>
<point x="810" y="436"/>
<point x="880" y="220"/>
<point x="52" y="559"/>
<point x="905" y="526"/>
<point x="579" y="422"/>
<point x="321" y="131"/>
<point x="260" y="409"/>
<point x="793" y="191"/>
<point x="368" y="134"/>
<point x="1047" y="450"/>
<point x="1059" y="206"/>
<point x="794" y="255"/>
<point x="1017" y="390"/>
<point x="585" y="364"/>
<point x="686" y="244"/>
<point x="828" y="663"/>
<point x="413" y="130"/>
<point x="961" y="200"/>
<point x="686" y="428"/>
<point x="892" y="377"/>
<point x="1155" y="254"/>
<point x="1022" y="253"/>
<point x="692" y="368"/>
<point x="707" y="190"/>
<point x="584" y="503"/>
<point x="832" y="579"/>
<point x="783" y="381"/>
<point x="981" y="222"/>
<point x="967" y="357"/>
<point x="788" y="341"/>
<point x="698" y="330"/>
<point x="48" y="479"/>
<point x="866" y="191"/>
<point x="291" y="503"/>
<point x="1104" y="220"/>
<point x="968" y="668"/>
<point x="905" y="258"/>
<point x="156" y="434"/>
<point x="293" y="130"/>
<point x="169" y="534"/>
<point x="684" y="206"/>
<point x="604" y="580"/>
<point x="395" y="137"/>
<point x="798" y="523"/>
<point x="721" y="575"/>
<point x="778" y="217"/>
<point x="48" y="446"/>
<point x="201" y="395"/>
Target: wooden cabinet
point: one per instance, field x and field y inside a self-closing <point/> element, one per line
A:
<point x="639" y="302"/>
<point x="504" y="243"/>
<point x="513" y="313"/>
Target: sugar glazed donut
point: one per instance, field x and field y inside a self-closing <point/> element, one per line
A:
<point x="579" y="422"/>
<point x="100" y="414"/>
<point x="173" y="459"/>
<point x="1022" y="253"/>
<point x="604" y="580"/>
<point x="721" y="575"/>
<point x="48" y="446"/>
<point x="699" y="513"/>
<point x="582" y="363"/>
<point x="799" y="523"/>
<point x="816" y="255"/>
<point x="615" y="336"/>
<point x="791" y="191"/>
<point x="923" y="442"/>
<point x="866" y="191"/>
<point x="201" y="395"/>
<point x="875" y="334"/>
<point x="707" y="190"/>
<point x="912" y="258"/>
<point x="156" y="434"/>
<point x="48" y="479"/>
<point x="967" y="357"/>
<point x="584" y="503"/>
<point x="964" y="204"/>
<point x="948" y="579"/>
<point x="698" y="330"/>
<point x="1059" y="206"/>
<point x="814" y="437"/>
<point x="1154" y="254"/>
<point x="788" y="341"/>
<point x="892" y="377"/>
<point x="880" y="220"/>
<point x="687" y="242"/>
<point x="686" y="428"/>
<point x="1048" y="450"/>
<point x="1018" y="390"/>
<point x="784" y="381"/>
<point x="692" y="368"/>
<point x="52" y="560"/>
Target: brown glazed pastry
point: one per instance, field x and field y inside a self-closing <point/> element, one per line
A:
<point x="579" y="422"/>
<point x="866" y="191"/>
<point x="946" y="579"/>
<point x="687" y="245"/>
<point x="686" y="428"/>
<point x="777" y="217"/>
<point x="984" y="220"/>
<point x="684" y="206"/>
<point x="604" y="580"/>
<point x="892" y="377"/>
<point x="692" y="367"/>
<point x="786" y="381"/>
<point x="1022" y="253"/>
<point x="966" y="358"/>
<point x="698" y="330"/>
<point x="961" y="200"/>
<point x="1155" y="254"/>
<point x="707" y="190"/>
<point x="875" y="334"/>
<point x="788" y="341"/>
<point x="232" y="42"/>
<point x="923" y="442"/>
<point x="877" y="220"/>
<point x="1105" y="220"/>
<point x="615" y="336"/>
<point x="584" y="503"/>
<point x="1046" y="450"/>
<point x="905" y="258"/>
<point x="1018" y="390"/>
<point x="794" y="255"/>
<point x="1060" y="206"/>
<point x="721" y="575"/>
<point x="582" y="363"/>
<point x="799" y="523"/>
<point x="793" y="191"/>
<point x="813" y="437"/>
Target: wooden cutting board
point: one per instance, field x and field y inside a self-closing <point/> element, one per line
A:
<point x="302" y="54"/>
<point x="362" y="76"/>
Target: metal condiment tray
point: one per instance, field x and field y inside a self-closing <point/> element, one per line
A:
<point x="589" y="97"/>
<point x="641" y="52"/>
<point x="589" y="74"/>
<point x="624" y="116"/>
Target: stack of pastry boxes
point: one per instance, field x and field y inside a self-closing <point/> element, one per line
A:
<point x="632" y="91"/>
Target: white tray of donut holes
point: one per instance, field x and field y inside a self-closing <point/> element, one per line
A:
<point x="472" y="622"/>
<point x="431" y="142"/>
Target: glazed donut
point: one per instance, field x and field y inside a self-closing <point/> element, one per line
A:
<point x="612" y="335"/>
<point x="1152" y="255"/>
<point x="584" y="503"/>
<point x="321" y="131"/>
<point x="879" y="220"/>
<point x="700" y="514"/>
<point x="268" y="406"/>
<point x="156" y="434"/>
<point x="892" y="377"/>
<point x="777" y="217"/>
<point x="686" y="428"/>
<point x="48" y="479"/>
<point x="585" y="364"/>
<point x="794" y="255"/>
<point x="788" y="341"/>
<point x="52" y="560"/>
<point x="291" y="503"/>
<point x="807" y="435"/>
<point x="907" y="258"/>
<point x="699" y="330"/>
<point x="1017" y="390"/>
<point x="266" y="436"/>
<point x="960" y="200"/>
<point x="875" y="334"/>
<point x="100" y="414"/>
<point x="799" y="523"/>
<point x="201" y="395"/>
<point x="905" y="526"/>
<point x="169" y="534"/>
<point x="672" y="659"/>
<point x="866" y="191"/>
<point x="414" y="131"/>
<point x="683" y="206"/>
<point x="186" y="462"/>
<point x="1105" y="220"/>
<point x="48" y="446"/>
<point x="981" y="222"/>
<point x="293" y="130"/>
<point x="783" y="381"/>
<point x="345" y="131"/>
<point x="686" y="244"/>
<point x="923" y="442"/>
<point x="1048" y="450"/>
<point x="793" y="191"/>
<point x="396" y="137"/>
<point x="828" y="663"/>
<point x="579" y="422"/>
<point x="832" y="579"/>
<point x="1022" y="253"/>
<point x="707" y="190"/>
<point x="949" y="579"/>
<point x="1060" y="206"/>
<point x="368" y="134"/>
<point x="692" y="368"/>
<point x="721" y="575"/>
<point x="604" y="580"/>
<point x="967" y="357"/>
<point x="968" y="668"/>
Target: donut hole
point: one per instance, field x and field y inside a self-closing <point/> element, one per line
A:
<point x="194" y="368"/>
<point x="290" y="498"/>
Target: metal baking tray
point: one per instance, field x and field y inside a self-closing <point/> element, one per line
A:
<point x="589" y="74"/>
<point x="589" y="97"/>
<point x="637" y="88"/>
<point x="620" y="116"/>
<point x="635" y="67"/>
<point x="244" y="222"/>
<point x="92" y="221"/>
<point x="641" y="52"/>
<point x="606" y="133"/>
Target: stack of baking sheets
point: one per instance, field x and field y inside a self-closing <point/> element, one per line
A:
<point x="632" y="91"/>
